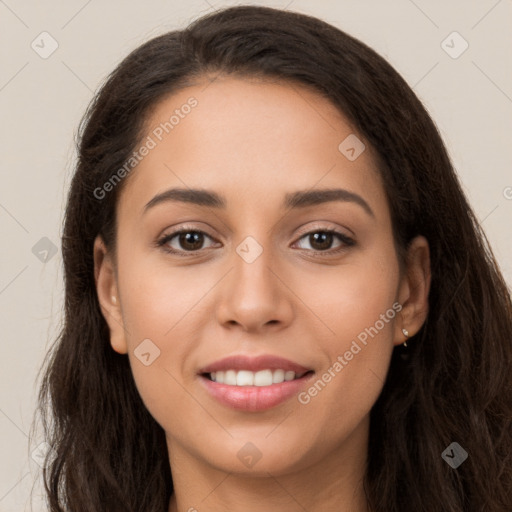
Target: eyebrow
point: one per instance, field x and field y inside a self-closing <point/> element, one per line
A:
<point x="299" y="199"/>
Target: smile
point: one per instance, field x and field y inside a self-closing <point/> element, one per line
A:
<point x="252" y="384"/>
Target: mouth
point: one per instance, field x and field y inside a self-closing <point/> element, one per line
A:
<point x="254" y="383"/>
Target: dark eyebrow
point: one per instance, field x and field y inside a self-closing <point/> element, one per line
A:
<point x="302" y="199"/>
<point x="299" y="199"/>
<point x="188" y="195"/>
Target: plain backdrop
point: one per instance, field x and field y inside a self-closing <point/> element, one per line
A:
<point x="43" y="96"/>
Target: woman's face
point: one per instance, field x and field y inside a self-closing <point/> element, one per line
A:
<point x="258" y="290"/>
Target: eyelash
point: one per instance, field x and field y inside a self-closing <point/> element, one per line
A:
<point x="347" y="241"/>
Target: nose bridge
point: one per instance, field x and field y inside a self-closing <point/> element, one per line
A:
<point x="252" y="261"/>
<point x="253" y="294"/>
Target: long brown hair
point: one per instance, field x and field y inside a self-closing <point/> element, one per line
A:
<point x="455" y="386"/>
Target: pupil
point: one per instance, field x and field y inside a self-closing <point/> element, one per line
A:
<point x="193" y="239"/>
<point x="325" y="237"/>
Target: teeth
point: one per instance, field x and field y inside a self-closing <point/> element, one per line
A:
<point x="278" y="376"/>
<point x="244" y="378"/>
<point x="230" y="378"/>
<point x="289" y="376"/>
<point x="248" y="378"/>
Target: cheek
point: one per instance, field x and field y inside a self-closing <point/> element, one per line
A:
<point x="353" y="298"/>
<point x="360" y="309"/>
<point x="158" y="305"/>
<point x="159" y="299"/>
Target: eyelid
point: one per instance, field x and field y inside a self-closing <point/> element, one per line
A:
<point x="329" y="226"/>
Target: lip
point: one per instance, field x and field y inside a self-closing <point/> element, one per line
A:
<point x="254" y="364"/>
<point x="254" y="398"/>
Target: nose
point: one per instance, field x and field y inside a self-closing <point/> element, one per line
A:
<point x="253" y="295"/>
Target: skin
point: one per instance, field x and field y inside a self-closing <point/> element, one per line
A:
<point x="253" y="142"/>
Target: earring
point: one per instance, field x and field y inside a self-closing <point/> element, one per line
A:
<point x="406" y="334"/>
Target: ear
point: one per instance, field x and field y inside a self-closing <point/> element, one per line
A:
<point x="108" y="296"/>
<point x="414" y="289"/>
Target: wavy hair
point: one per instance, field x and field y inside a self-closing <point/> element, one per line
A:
<point x="454" y="385"/>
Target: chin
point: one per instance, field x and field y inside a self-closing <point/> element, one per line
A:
<point x="258" y="456"/>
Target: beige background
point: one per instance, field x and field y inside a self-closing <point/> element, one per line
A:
<point x="42" y="100"/>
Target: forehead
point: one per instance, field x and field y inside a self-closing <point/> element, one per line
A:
<point x="251" y="139"/>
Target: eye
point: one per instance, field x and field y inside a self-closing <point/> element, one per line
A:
<point x="188" y="240"/>
<point x="320" y="240"/>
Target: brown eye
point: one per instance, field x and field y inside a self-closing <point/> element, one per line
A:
<point x="191" y="240"/>
<point x="322" y="240"/>
<point x="185" y="240"/>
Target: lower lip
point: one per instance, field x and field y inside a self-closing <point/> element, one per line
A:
<point x="254" y="398"/>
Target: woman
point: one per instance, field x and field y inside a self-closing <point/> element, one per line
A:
<point x="277" y="295"/>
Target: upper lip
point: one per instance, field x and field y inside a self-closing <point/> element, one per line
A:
<point x="254" y="364"/>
